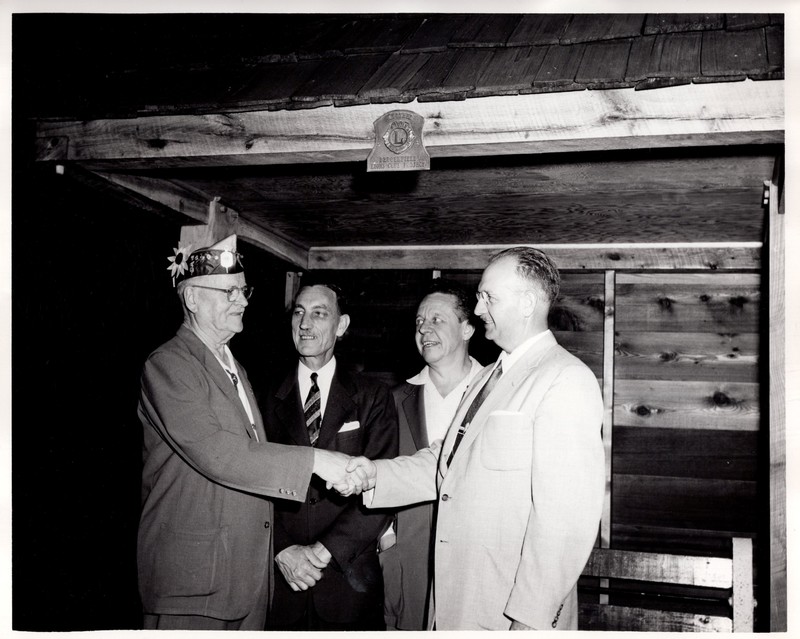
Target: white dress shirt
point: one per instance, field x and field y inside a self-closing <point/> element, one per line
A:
<point x="509" y="359"/>
<point x="439" y="410"/>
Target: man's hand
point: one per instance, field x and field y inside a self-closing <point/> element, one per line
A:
<point x="301" y="566"/>
<point x="363" y="471"/>
<point x="331" y="465"/>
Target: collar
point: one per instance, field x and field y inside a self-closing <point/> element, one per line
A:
<point x="509" y="359"/>
<point x="324" y="374"/>
<point x="424" y="376"/>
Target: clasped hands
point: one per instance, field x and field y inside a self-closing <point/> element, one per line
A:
<point x="301" y="566"/>
<point x="347" y="475"/>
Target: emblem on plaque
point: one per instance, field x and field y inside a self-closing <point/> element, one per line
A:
<point x="398" y="143"/>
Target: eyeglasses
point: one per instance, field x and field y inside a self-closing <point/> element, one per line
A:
<point x="489" y="299"/>
<point x="233" y="292"/>
<point x="486" y="298"/>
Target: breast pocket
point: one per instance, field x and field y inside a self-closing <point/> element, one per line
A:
<point x="348" y="442"/>
<point x="506" y="441"/>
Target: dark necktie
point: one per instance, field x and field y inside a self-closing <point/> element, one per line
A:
<point x="313" y="410"/>
<point x="483" y="393"/>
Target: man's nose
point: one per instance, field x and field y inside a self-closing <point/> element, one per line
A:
<point x="424" y="327"/>
<point x="480" y="307"/>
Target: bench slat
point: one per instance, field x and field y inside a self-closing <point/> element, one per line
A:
<point x="710" y="572"/>
<point x="624" y="618"/>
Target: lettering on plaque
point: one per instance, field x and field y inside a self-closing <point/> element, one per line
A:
<point x="398" y="143"/>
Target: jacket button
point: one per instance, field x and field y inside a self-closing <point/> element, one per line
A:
<point x="445" y="497"/>
<point x="280" y="490"/>
<point x="266" y="524"/>
<point x="313" y="501"/>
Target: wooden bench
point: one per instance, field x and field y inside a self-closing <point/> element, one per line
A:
<point x="734" y="575"/>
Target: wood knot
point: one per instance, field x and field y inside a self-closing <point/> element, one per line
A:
<point x="596" y="303"/>
<point x="704" y="298"/>
<point x="721" y="399"/>
<point x="665" y="303"/>
<point x="739" y="301"/>
<point x="643" y="411"/>
<point x="668" y="356"/>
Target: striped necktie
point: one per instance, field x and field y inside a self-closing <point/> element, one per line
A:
<point x="313" y="410"/>
<point x="483" y="393"/>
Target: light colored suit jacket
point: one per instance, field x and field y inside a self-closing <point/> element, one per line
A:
<point x="519" y="507"/>
<point x="205" y="534"/>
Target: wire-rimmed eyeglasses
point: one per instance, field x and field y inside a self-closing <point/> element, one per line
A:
<point x="486" y="298"/>
<point x="232" y="291"/>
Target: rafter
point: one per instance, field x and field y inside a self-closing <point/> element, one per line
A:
<point x="195" y="205"/>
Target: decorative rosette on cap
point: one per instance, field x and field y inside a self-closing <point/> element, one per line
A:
<point x="219" y="259"/>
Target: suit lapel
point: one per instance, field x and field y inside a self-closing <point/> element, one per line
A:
<point x="216" y="373"/>
<point x="289" y="409"/>
<point x="339" y="408"/>
<point x="414" y="410"/>
<point x="501" y="393"/>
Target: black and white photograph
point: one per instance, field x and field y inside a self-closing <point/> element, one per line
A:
<point x="423" y="316"/>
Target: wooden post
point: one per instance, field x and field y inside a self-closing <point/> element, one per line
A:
<point x="742" y="584"/>
<point x="777" y="412"/>
<point x="222" y="222"/>
<point x="608" y="410"/>
<point x="292" y="286"/>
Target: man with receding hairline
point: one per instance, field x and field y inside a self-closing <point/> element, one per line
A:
<point x="519" y="479"/>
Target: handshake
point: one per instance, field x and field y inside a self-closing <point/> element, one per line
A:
<point x="347" y="475"/>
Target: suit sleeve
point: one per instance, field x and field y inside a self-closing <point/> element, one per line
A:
<point x="406" y="480"/>
<point x="567" y="485"/>
<point x="356" y="529"/>
<point x="179" y="402"/>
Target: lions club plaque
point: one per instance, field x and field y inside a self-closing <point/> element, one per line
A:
<point x="398" y="143"/>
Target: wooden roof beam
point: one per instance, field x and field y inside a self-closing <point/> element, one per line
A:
<point x="745" y="112"/>
<point x="620" y="257"/>
<point x="196" y="206"/>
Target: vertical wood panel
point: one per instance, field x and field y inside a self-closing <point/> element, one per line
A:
<point x="687" y="409"/>
<point x="608" y="403"/>
<point x="777" y="415"/>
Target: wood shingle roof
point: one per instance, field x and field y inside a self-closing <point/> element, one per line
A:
<point x="203" y="63"/>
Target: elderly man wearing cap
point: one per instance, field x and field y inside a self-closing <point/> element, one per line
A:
<point x="204" y="544"/>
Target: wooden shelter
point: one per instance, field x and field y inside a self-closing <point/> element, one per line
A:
<point x="644" y="152"/>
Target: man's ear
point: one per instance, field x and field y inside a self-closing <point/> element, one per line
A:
<point x="528" y="302"/>
<point x="190" y="299"/>
<point x="467" y="330"/>
<point x="344" y="322"/>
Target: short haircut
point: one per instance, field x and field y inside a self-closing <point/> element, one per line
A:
<point x="463" y="300"/>
<point x="535" y="267"/>
<point x="341" y="298"/>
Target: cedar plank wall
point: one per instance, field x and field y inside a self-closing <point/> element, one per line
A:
<point x="686" y="391"/>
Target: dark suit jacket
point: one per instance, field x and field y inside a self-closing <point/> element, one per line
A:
<point x="205" y="534"/>
<point x="413" y="523"/>
<point x="352" y="581"/>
